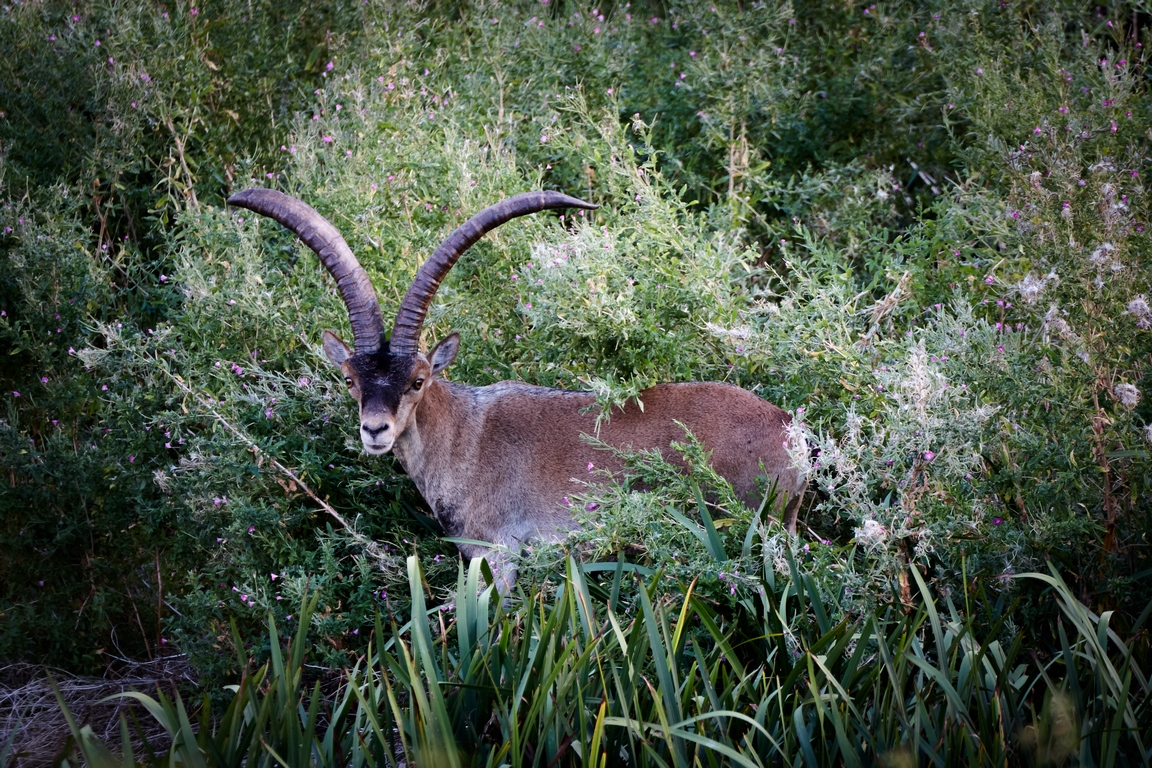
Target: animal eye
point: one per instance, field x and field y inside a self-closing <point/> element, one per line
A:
<point x="417" y="384"/>
<point x="348" y="381"/>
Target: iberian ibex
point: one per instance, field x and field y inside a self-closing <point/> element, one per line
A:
<point x="498" y="463"/>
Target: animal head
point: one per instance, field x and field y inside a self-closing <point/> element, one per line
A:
<point x="388" y="374"/>
<point x="388" y="388"/>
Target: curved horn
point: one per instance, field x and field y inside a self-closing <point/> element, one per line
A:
<point x="323" y="238"/>
<point x="410" y="319"/>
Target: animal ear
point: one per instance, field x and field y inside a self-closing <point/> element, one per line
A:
<point x="335" y="349"/>
<point x="444" y="353"/>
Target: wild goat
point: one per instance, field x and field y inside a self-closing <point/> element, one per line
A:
<point x="498" y="463"/>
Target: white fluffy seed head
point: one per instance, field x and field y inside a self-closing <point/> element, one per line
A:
<point x="1139" y="309"/>
<point x="1030" y="287"/>
<point x="872" y="535"/>
<point x="1126" y="394"/>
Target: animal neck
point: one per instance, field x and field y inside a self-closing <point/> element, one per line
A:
<point x="426" y="446"/>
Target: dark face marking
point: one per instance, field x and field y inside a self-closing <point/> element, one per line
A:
<point x="381" y="380"/>
<point x="388" y="389"/>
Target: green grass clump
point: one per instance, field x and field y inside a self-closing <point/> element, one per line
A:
<point x="576" y="675"/>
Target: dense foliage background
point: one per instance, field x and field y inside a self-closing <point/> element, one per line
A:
<point x="921" y="227"/>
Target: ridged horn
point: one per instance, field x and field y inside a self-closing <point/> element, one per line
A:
<point x="410" y="319"/>
<point x="323" y="238"/>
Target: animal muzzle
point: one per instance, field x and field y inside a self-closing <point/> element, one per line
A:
<point x="377" y="436"/>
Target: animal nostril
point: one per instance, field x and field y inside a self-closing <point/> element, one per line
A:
<point x="374" y="431"/>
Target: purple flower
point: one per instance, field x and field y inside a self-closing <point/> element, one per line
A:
<point x="15" y="393"/>
<point x="997" y="520"/>
<point x="928" y="455"/>
<point x="591" y="506"/>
